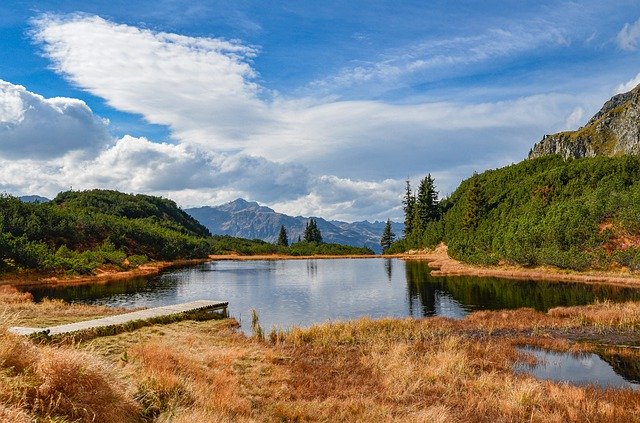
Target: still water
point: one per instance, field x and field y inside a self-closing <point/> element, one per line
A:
<point x="607" y="370"/>
<point x="303" y="292"/>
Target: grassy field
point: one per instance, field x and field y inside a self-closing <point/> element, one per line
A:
<point x="431" y="370"/>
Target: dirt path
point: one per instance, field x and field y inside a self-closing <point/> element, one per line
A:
<point x="443" y="265"/>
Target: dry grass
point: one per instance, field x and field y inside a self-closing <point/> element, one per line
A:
<point x="58" y="384"/>
<point x="391" y="370"/>
<point x="621" y="315"/>
<point x="24" y="312"/>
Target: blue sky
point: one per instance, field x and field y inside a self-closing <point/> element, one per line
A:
<point x="313" y="108"/>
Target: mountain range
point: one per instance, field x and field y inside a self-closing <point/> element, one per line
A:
<point x="250" y="220"/>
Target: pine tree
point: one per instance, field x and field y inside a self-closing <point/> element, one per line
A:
<point x="408" y="203"/>
<point x="312" y="233"/>
<point x="282" y="237"/>
<point x="387" y="237"/>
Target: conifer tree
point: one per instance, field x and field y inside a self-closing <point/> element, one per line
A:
<point x="387" y="237"/>
<point x="312" y="233"/>
<point x="282" y="237"/>
<point x="408" y="203"/>
<point x="426" y="205"/>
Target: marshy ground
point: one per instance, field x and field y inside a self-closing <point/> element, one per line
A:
<point x="430" y="370"/>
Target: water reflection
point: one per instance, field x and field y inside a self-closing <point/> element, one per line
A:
<point x="303" y="292"/>
<point x="581" y="369"/>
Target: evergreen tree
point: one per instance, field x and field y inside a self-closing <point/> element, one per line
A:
<point x="426" y="206"/>
<point x="387" y="237"/>
<point x="312" y="233"/>
<point x="282" y="237"/>
<point x="475" y="204"/>
<point x="408" y="203"/>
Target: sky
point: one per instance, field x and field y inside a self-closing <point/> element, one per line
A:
<point x="315" y="108"/>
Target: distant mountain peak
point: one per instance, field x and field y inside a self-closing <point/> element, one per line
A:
<point x="34" y="199"/>
<point x="247" y="219"/>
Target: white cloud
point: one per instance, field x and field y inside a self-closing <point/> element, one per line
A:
<point x="629" y="85"/>
<point x="629" y="36"/>
<point x="200" y="87"/>
<point x="36" y="127"/>
<point x="446" y="55"/>
<point x="575" y="119"/>
<point x="138" y="165"/>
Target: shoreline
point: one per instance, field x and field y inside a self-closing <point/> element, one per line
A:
<point x="439" y="261"/>
<point x="150" y="269"/>
<point x="443" y="265"/>
<point x="237" y="257"/>
<point x="147" y="269"/>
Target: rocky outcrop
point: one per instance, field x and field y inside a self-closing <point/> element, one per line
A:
<point x="613" y="131"/>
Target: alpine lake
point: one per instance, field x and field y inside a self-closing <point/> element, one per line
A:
<point x="287" y="293"/>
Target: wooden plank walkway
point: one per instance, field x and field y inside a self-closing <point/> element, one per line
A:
<point x="119" y="319"/>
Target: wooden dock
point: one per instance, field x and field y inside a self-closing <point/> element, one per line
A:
<point x="120" y="319"/>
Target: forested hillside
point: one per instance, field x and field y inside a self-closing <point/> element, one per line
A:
<point x="575" y="213"/>
<point x="78" y="232"/>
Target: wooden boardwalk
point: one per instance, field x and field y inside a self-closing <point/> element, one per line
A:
<point x="120" y="319"/>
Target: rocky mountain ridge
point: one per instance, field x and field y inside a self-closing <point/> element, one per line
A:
<point x="246" y="219"/>
<point x="613" y="131"/>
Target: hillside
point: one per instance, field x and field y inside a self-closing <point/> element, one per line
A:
<point x="80" y="231"/>
<point x="576" y="213"/>
<point x="613" y="131"/>
<point x="245" y="219"/>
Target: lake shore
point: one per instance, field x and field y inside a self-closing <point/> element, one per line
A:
<point x="443" y="265"/>
<point x="102" y="275"/>
<point x="148" y="269"/>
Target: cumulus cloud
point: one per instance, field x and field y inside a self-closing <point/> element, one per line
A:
<point x="200" y="87"/>
<point x="138" y="165"/>
<point x="32" y="126"/>
<point x="629" y="36"/>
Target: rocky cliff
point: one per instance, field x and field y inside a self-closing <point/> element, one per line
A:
<point x="613" y="131"/>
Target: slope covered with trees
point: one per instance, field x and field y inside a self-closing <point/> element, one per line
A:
<point x="575" y="213"/>
<point x="78" y="232"/>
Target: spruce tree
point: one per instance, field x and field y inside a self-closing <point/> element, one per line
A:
<point x="387" y="237"/>
<point x="282" y="237"/>
<point x="312" y="233"/>
<point x="426" y="203"/>
<point x="408" y="203"/>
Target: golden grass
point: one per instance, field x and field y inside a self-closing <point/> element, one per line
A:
<point x="43" y="382"/>
<point x="24" y="312"/>
<point x="622" y="315"/>
<point x="386" y="370"/>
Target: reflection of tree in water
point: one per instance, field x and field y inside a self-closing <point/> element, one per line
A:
<point x="93" y="291"/>
<point x="626" y="366"/>
<point x="312" y="268"/>
<point x="388" y="267"/>
<point x="475" y="293"/>
<point x="419" y="288"/>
